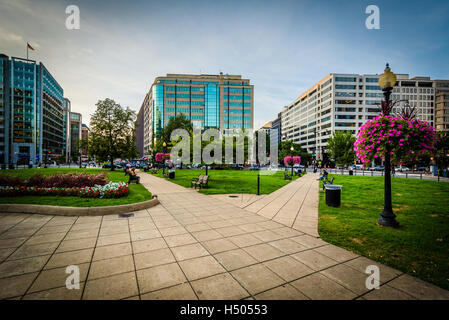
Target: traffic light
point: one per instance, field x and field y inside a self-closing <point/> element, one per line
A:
<point x="49" y="151"/>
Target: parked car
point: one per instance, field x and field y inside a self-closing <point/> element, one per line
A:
<point x="357" y="167"/>
<point x="402" y="169"/>
<point x="422" y="169"/>
<point x="379" y="168"/>
<point x="254" y="168"/>
<point x="106" y="166"/>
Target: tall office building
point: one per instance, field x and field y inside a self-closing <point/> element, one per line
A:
<point x="33" y="113"/>
<point x="442" y="105"/>
<point x="275" y="130"/>
<point x="224" y="102"/>
<point x="346" y="102"/>
<point x="139" y="132"/>
<point x="84" y="136"/>
<point x="76" y="122"/>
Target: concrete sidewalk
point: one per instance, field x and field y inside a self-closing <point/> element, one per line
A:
<point x="294" y="205"/>
<point x="191" y="246"/>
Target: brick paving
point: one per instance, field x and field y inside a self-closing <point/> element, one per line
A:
<point x="191" y="246"/>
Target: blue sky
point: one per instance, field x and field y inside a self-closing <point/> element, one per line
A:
<point x="284" y="47"/>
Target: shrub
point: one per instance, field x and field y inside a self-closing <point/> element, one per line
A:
<point x="59" y="181"/>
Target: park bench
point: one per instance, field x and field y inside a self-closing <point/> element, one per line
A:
<point x="154" y="170"/>
<point x="133" y="178"/>
<point x="194" y="181"/>
<point x="286" y="176"/>
<point x="201" y="182"/>
<point x="327" y="182"/>
<point x="204" y="183"/>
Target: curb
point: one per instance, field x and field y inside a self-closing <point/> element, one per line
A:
<point x="78" y="211"/>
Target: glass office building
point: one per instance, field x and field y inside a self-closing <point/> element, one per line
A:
<point x="219" y="101"/>
<point x="32" y="107"/>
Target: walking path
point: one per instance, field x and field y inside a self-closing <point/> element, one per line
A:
<point x="295" y="205"/>
<point x="193" y="246"/>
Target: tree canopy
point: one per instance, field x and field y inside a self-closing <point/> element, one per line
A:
<point x="340" y="147"/>
<point x="112" y="132"/>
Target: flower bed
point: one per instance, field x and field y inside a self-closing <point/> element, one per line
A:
<point x="109" y="190"/>
<point x="62" y="180"/>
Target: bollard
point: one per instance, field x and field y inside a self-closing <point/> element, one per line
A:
<point x="406" y="175"/>
<point x="420" y="175"/>
<point x="258" y="184"/>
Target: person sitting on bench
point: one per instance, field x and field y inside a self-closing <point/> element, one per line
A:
<point x="323" y="176"/>
<point x="133" y="176"/>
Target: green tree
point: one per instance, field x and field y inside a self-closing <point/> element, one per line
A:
<point x="442" y="154"/>
<point x="112" y="128"/>
<point x="177" y="122"/>
<point x="285" y="149"/>
<point x="340" y="147"/>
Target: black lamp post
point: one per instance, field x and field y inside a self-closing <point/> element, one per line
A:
<point x="387" y="218"/>
<point x="163" y="160"/>
<point x="292" y="149"/>
<point x="258" y="183"/>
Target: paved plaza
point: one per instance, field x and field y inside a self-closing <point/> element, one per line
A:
<point x="193" y="246"/>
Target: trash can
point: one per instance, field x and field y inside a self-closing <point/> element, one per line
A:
<point x="333" y="195"/>
<point x="171" y="174"/>
<point x="351" y="173"/>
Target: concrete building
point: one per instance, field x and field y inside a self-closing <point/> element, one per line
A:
<point x="219" y="101"/>
<point x="266" y="128"/>
<point x="139" y="133"/>
<point x="275" y="131"/>
<point x="442" y="105"/>
<point x="84" y="136"/>
<point x="345" y="102"/>
<point x="76" y="122"/>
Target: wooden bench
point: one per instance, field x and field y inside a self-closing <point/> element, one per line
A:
<point x="133" y="178"/>
<point x="195" y="181"/>
<point x="286" y="176"/>
<point x="201" y="182"/>
<point x="326" y="182"/>
<point x="205" y="182"/>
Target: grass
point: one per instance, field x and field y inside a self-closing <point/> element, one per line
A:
<point x="231" y="181"/>
<point x="420" y="246"/>
<point x="137" y="192"/>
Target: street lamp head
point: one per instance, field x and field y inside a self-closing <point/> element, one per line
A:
<point x="387" y="79"/>
<point x="164" y="144"/>
<point x="291" y="148"/>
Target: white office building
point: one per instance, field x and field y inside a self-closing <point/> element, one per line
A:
<point x="345" y="102"/>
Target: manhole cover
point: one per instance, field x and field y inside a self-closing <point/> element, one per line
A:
<point x="126" y="215"/>
<point x="232" y="196"/>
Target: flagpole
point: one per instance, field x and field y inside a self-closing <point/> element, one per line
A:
<point x="27" y="50"/>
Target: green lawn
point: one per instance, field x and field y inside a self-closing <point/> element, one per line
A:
<point x="419" y="247"/>
<point x="137" y="192"/>
<point x="230" y="181"/>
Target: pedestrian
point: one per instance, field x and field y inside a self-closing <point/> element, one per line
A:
<point x="30" y="165"/>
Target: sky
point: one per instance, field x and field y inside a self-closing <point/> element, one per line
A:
<point x="283" y="47"/>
